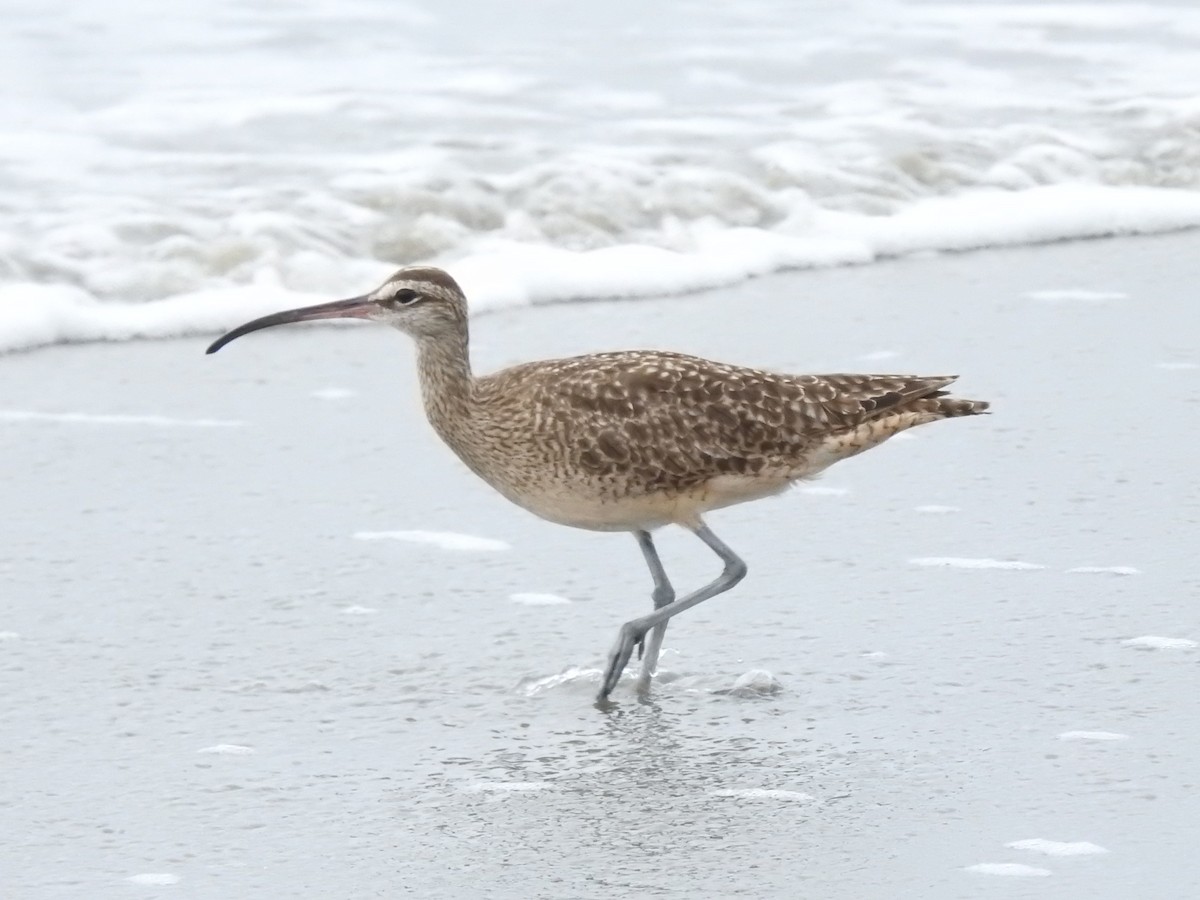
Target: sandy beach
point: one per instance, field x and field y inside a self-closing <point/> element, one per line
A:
<point x="225" y="675"/>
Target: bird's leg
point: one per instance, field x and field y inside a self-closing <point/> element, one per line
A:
<point x="634" y="631"/>
<point x="663" y="595"/>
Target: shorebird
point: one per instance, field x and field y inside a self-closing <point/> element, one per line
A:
<point x="633" y="440"/>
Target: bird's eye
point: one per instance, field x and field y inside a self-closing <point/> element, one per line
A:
<point x="404" y="296"/>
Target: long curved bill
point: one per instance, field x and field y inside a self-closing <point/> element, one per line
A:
<point x="354" y="308"/>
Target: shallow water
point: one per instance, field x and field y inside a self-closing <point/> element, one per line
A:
<point x="213" y="689"/>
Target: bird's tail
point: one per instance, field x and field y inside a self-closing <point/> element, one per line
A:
<point x="941" y="406"/>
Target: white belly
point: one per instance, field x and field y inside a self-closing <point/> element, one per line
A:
<point x="599" y="513"/>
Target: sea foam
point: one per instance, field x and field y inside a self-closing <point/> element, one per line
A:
<point x="502" y="272"/>
<point x="960" y="562"/>
<point x="153" y="193"/>
<point x="1010" y="870"/>
<point x="1057" y="848"/>
<point x="1154" y="642"/>
<point x="444" y="540"/>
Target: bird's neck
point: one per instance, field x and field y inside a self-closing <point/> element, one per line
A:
<point x="444" y="365"/>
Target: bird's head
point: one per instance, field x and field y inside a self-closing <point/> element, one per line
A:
<point x="420" y="300"/>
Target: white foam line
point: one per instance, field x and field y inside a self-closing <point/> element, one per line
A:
<point x="446" y="540"/>
<point x="76" y="418"/>
<point x="1010" y="870"/>
<point x="1057" y="848"/>
<point x="765" y="794"/>
<point x="1153" y="642"/>
<point x="153" y="878"/>
<point x="34" y="315"/>
<point x="756" y="681"/>
<point x="228" y="749"/>
<point x="935" y="508"/>
<point x="1093" y="736"/>
<point x="531" y="599"/>
<point x="536" y="686"/>
<point x="958" y="562"/>
<point x="506" y="270"/>
<point x="1076" y="295"/>
<point x="333" y="393"/>
<point x="1104" y="570"/>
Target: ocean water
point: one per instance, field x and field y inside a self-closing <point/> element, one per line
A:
<point x="173" y="171"/>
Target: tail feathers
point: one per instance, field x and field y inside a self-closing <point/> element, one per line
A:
<point x="945" y="407"/>
<point x="862" y="398"/>
<point x="912" y="412"/>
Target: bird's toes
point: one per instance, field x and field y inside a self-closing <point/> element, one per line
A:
<point x="631" y="636"/>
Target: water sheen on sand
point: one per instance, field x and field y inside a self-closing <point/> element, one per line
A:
<point x="846" y="725"/>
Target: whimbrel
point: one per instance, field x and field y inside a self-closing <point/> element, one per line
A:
<point x="633" y="440"/>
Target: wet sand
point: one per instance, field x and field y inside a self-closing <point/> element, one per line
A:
<point x="214" y="689"/>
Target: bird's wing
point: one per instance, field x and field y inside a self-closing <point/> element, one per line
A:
<point x="681" y="417"/>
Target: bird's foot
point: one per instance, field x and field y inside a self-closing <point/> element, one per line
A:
<point x="630" y="636"/>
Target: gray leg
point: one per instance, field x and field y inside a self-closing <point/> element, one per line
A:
<point x="634" y="631"/>
<point x="663" y="595"/>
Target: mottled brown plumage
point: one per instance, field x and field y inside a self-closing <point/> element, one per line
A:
<point x="633" y="440"/>
<point x="640" y="439"/>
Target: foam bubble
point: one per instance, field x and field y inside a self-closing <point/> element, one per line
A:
<point x="1093" y="736"/>
<point x="531" y="687"/>
<point x="1057" y="848"/>
<point x="445" y="540"/>
<point x="1153" y="642"/>
<point x="765" y="794"/>
<point x="9" y="635"/>
<point x="355" y="610"/>
<point x="333" y="393"/>
<point x="756" y="683"/>
<point x="1011" y="870"/>
<point x="228" y="749"/>
<point x="957" y="562"/>
<point x="153" y="878"/>
<point x="530" y="599"/>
